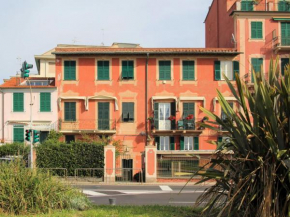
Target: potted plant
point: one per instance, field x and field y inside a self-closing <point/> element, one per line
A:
<point x="189" y="117"/>
<point x="172" y="118"/>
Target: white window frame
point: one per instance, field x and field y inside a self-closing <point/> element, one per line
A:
<point x="227" y="69"/>
<point x="188" y="143"/>
<point x="164" y="143"/>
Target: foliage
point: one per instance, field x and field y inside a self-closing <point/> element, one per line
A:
<point x="24" y="191"/>
<point x="254" y="180"/>
<point x="54" y="136"/>
<point x="15" y="149"/>
<point x="70" y="156"/>
<point x="128" y="211"/>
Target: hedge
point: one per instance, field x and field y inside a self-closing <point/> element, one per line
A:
<point x="70" y="156"/>
<point x="14" y="149"/>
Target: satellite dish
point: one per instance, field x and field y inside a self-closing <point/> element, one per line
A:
<point x="233" y="40"/>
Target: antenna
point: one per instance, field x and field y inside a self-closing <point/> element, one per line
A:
<point x="233" y="40"/>
<point x="19" y="60"/>
<point x="103" y="30"/>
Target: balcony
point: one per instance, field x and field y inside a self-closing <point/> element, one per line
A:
<point x="98" y="126"/>
<point x="183" y="126"/>
<point x="280" y="43"/>
<point x="282" y="6"/>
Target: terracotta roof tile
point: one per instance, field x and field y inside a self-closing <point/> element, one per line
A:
<point x="14" y="82"/>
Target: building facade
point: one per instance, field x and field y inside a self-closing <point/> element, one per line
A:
<point x="259" y="30"/>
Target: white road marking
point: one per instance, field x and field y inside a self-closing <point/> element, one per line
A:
<point x="165" y="188"/>
<point x="93" y="193"/>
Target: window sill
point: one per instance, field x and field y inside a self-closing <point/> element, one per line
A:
<point x="256" y="40"/>
<point x="128" y="122"/>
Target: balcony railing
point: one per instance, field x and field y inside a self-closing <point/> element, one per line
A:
<point x="86" y="124"/>
<point x="282" y="6"/>
<point x="182" y="124"/>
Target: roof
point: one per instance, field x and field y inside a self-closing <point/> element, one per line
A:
<point x="16" y="82"/>
<point x="140" y="51"/>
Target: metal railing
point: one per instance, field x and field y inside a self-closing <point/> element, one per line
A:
<point x="88" y="124"/>
<point x="182" y="124"/>
<point x="89" y="174"/>
<point x="280" y="41"/>
<point x="283" y="6"/>
<point x="57" y="172"/>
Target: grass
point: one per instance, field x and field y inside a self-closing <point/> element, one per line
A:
<point x="124" y="211"/>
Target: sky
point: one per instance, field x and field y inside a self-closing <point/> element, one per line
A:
<point x="32" y="27"/>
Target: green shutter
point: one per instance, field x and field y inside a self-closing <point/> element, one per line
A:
<point x="164" y="70"/>
<point x="124" y="70"/>
<point x="284" y="63"/>
<point x="156" y="114"/>
<point x="157" y="141"/>
<point x="220" y="139"/>
<point x="173" y="113"/>
<point x="247" y="5"/>
<point x="188" y="70"/>
<point x="70" y="111"/>
<point x="188" y="109"/>
<point x="69" y="70"/>
<point x="172" y="143"/>
<point x="257" y="63"/>
<point x="18" y="134"/>
<point x="285" y="34"/>
<point x="236" y="69"/>
<point x="103" y="115"/>
<point x="128" y="69"/>
<point x="181" y="143"/>
<point x="196" y="143"/>
<point x="131" y="69"/>
<point x="256" y="30"/>
<point x="284" y="6"/>
<point x="217" y="70"/>
<point x="18" y="102"/>
<point x="45" y="102"/>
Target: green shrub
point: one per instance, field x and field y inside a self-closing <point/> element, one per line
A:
<point x="24" y="191"/>
<point x="70" y="156"/>
<point x="13" y="149"/>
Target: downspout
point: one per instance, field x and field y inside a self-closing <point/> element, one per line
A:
<point x="1" y="91"/>
<point x="146" y="100"/>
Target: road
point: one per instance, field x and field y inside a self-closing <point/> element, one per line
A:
<point x="142" y="194"/>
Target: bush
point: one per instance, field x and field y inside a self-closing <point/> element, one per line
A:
<point x="70" y="156"/>
<point x="13" y="149"/>
<point x="24" y="191"/>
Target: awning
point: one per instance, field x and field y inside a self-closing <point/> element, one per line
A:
<point x="229" y="98"/>
<point x="163" y="98"/>
<point x="100" y="98"/>
<point x="193" y="98"/>
<point x="281" y="19"/>
<point x="69" y="97"/>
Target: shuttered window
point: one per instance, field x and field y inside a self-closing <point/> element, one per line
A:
<point x="18" y="102"/>
<point x="128" y="111"/>
<point x="256" y="30"/>
<point x="103" y="115"/>
<point x="228" y="68"/>
<point x="284" y="63"/>
<point x="188" y="109"/>
<point x="69" y="70"/>
<point x="189" y="143"/>
<point x="103" y="70"/>
<point x="257" y="66"/>
<point x="45" y="102"/>
<point x="284" y="5"/>
<point x="127" y="69"/>
<point x="164" y="70"/>
<point x="196" y="143"/>
<point x="70" y="111"/>
<point x="18" y="133"/>
<point x="188" y="70"/>
<point x="247" y="5"/>
<point x="285" y="34"/>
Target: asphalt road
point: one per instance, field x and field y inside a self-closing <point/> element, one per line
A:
<point x="142" y="195"/>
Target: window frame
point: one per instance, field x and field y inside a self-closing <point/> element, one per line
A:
<point x="256" y="30"/>
<point x="183" y="71"/>
<point x="13" y="102"/>
<point x="75" y="118"/>
<point x="18" y="127"/>
<point x="108" y="73"/>
<point x="40" y="102"/>
<point x="65" y="78"/>
<point x="159" y="71"/>
<point x="122" y="70"/>
<point x="128" y="110"/>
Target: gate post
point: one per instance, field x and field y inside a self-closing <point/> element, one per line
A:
<point x="150" y="163"/>
<point x="109" y="163"/>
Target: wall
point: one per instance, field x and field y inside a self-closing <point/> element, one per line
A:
<point x="47" y="69"/>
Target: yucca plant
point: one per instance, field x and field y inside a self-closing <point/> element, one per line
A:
<point x="252" y="167"/>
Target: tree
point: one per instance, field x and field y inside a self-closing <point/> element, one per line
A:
<point x="251" y="168"/>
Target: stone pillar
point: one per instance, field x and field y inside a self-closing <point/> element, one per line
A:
<point x="151" y="163"/>
<point x="109" y="163"/>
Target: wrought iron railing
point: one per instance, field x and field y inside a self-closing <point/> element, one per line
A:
<point x="182" y="124"/>
<point x="283" y="6"/>
<point x="281" y="41"/>
<point x="86" y="124"/>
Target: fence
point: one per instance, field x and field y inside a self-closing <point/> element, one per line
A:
<point x="57" y="172"/>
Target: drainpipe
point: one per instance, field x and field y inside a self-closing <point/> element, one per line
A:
<point x="146" y="100"/>
<point x="1" y="91"/>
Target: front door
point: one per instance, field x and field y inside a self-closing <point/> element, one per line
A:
<point x="103" y="116"/>
<point x="164" y="114"/>
<point x="127" y="165"/>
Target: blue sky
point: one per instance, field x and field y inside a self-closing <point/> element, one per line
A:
<point x="31" y="27"/>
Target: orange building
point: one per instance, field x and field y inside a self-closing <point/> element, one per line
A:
<point x="144" y="96"/>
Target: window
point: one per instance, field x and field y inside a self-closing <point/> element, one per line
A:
<point x="18" y="133"/>
<point x="224" y="116"/>
<point x="38" y="83"/>
<point x="69" y="70"/>
<point x="128" y="111"/>
<point x="70" y="111"/>
<point x="164" y="70"/>
<point x="257" y="64"/>
<point x="69" y="138"/>
<point x="284" y="63"/>
<point x="45" y="99"/>
<point x="18" y="102"/>
<point x="165" y="143"/>
<point x="188" y="70"/>
<point x="127" y="69"/>
<point x="285" y="34"/>
<point x="103" y="115"/>
<point x="284" y="5"/>
<point x="43" y="136"/>
<point x="103" y="70"/>
<point x="247" y="5"/>
<point x="189" y="143"/>
<point x="256" y="30"/>
<point x="228" y="68"/>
